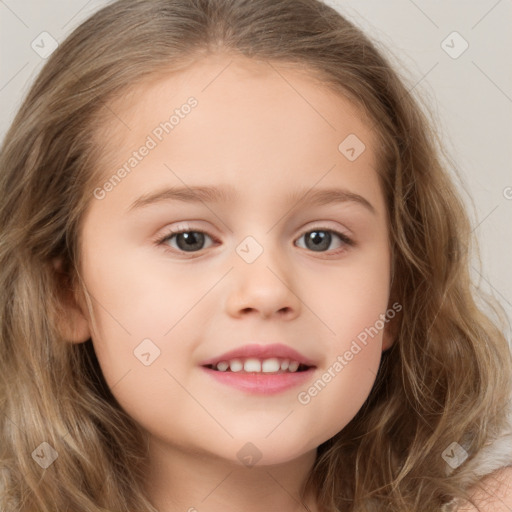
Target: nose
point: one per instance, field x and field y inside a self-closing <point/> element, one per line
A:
<point x="265" y="288"/>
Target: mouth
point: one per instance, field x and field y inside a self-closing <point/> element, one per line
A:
<point x="263" y="369"/>
<point x="237" y="374"/>
<point x="265" y="358"/>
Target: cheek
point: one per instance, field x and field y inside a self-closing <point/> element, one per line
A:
<point x="145" y="316"/>
<point x="350" y="306"/>
<point x="349" y="298"/>
<point x="141" y="339"/>
<point x="139" y="296"/>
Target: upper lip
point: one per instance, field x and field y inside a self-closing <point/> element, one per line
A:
<point x="277" y="350"/>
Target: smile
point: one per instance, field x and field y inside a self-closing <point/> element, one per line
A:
<point x="259" y="382"/>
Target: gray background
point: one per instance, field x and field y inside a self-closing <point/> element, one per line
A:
<point x="470" y="95"/>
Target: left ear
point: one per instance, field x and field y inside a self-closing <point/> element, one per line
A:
<point x="391" y="327"/>
<point x="387" y="339"/>
<point x="73" y="324"/>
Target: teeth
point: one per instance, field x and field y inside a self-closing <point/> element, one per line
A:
<point x="222" y="366"/>
<point x="235" y="365"/>
<point x="271" y="365"/>
<point x="293" y="366"/>
<point x="251" y="364"/>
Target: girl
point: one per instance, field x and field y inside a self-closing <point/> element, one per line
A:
<point x="234" y="276"/>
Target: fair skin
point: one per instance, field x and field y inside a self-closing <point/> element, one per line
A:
<point x="492" y="494"/>
<point x="254" y="132"/>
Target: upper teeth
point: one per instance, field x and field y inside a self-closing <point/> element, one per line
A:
<point x="270" y="365"/>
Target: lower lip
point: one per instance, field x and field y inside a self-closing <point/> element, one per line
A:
<point x="261" y="383"/>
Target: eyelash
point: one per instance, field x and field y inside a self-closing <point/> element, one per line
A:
<point x="160" y="241"/>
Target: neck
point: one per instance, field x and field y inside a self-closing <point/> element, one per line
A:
<point x="179" y="480"/>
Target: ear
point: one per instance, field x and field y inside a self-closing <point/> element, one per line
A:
<point x="72" y="322"/>
<point x="391" y="327"/>
<point x="387" y="338"/>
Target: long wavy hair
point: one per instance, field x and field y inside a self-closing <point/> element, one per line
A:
<point x="445" y="379"/>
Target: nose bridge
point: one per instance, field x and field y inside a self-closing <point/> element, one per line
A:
<point x="262" y="278"/>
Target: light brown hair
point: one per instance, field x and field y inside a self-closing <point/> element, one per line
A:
<point x="447" y="376"/>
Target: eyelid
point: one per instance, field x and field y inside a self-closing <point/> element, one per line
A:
<point x="326" y="226"/>
<point x="182" y="227"/>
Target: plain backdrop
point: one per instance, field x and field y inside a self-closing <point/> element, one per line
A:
<point x="469" y="90"/>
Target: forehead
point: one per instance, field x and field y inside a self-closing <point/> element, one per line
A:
<point x="274" y="94"/>
<point x="254" y="121"/>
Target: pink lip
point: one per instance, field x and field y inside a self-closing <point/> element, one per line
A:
<point x="260" y="383"/>
<point x="261" y="352"/>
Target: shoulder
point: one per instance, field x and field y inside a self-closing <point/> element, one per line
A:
<point x="492" y="494"/>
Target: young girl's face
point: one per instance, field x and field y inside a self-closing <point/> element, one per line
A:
<point x="261" y="264"/>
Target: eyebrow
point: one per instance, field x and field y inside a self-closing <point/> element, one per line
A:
<point x="209" y="194"/>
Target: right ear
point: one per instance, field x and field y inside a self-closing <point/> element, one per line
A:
<point x="73" y="324"/>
